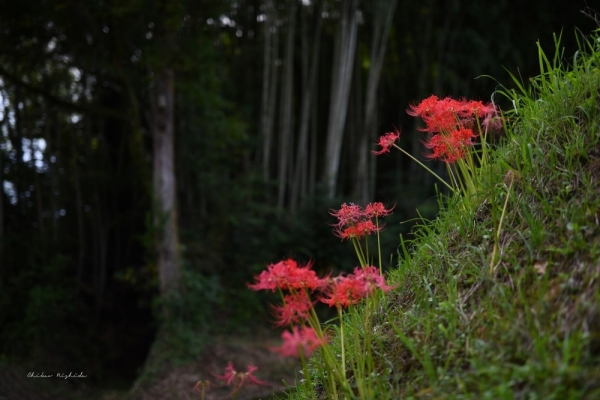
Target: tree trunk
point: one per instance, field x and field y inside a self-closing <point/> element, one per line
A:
<point x="78" y="207"/>
<point x="341" y="78"/>
<point x="38" y="193"/>
<point x="101" y="250"/>
<point x="2" y="274"/>
<point x="381" y="31"/>
<point x="165" y="210"/>
<point x="310" y="79"/>
<point x="417" y="175"/>
<point x="265" y="117"/>
<point x="312" y="173"/>
<point x="287" y="93"/>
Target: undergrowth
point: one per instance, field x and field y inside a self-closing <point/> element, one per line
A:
<point x="498" y="299"/>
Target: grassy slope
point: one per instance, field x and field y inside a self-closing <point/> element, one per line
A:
<point x="529" y="329"/>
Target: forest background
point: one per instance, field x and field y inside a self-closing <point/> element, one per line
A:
<point x="156" y="154"/>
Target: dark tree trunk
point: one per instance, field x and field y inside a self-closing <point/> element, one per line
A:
<point x="340" y="88"/>
<point x="286" y="122"/>
<point x="381" y="31"/>
<point x="299" y="184"/>
<point x="165" y="210"/>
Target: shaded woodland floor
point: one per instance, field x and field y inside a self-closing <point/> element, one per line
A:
<point x="177" y="383"/>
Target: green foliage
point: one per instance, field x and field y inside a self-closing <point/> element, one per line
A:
<point x="190" y="314"/>
<point x="29" y="318"/>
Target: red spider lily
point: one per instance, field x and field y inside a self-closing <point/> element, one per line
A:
<point x="230" y="374"/>
<point x="377" y="210"/>
<point x="445" y="149"/>
<point x="448" y="114"/>
<point x="424" y="108"/>
<point x="240" y="379"/>
<point x="474" y="108"/>
<point x="386" y="141"/>
<point x="359" y="230"/>
<point x="452" y="147"/>
<point x="300" y="340"/>
<point x="287" y="275"/>
<point x="250" y="377"/>
<point x="442" y="115"/>
<point x="441" y="121"/>
<point x="464" y="136"/>
<point x="371" y="279"/>
<point x="296" y="309"/>
<point x="348" y="214"/>
<point x="345" y="291"/>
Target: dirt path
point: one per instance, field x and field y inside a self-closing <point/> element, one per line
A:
<point x="178" y="384"/>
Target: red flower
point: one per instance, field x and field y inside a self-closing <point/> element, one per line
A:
<point x="253" y="380"/>
<point x="286" y="275"/>
<point x="371" y="279"/>
<point x="478" y="109"/>
<point x="301" y="339"/>
<point x="377" y="210"/>
<point x="359" y="230"/>
<point x="424" y="108"/>
<point x="351" y="289"/>
<point x="306" y="278"/>
<point x="386" y="141"/>
<point x="346" y="290"/>
<point x="240" y="378"/>
<point x="452" y="147"/>
<point x="447" y="115"/>
<point x="463" y="136"/>
<point x="348" y="214"/>
<point x="230" y="374"/>
<point x="440" y="121"/>
<point x="295" y="309"/>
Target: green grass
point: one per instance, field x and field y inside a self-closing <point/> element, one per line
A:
<point x="527" y="326"/>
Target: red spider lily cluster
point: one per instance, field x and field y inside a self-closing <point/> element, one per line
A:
<point x="351" y="289"/>
<point x="301" y="289"/>
<point x="453" y="124"/>
<point x="341" y="291"/>
<point x="287" y="275"/>
<point x="355" y="222"/>
<point x="295" y="309"/>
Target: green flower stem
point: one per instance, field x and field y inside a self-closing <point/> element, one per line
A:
<point x="307" y="374"/>
<point x="359" y="252"/>
<point x="359" y="366"/>
<point x="468" y="179"/>
<point x="497" y="235"/>
<point x="343" y="369"/>
<point x="428" y="170"/>
<point x="456" y="181"/>
<point x="378" y="246"/>
<point x="370" y="368"/>
<point x="329" y="359"/>
<point x="483" y="143"/>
